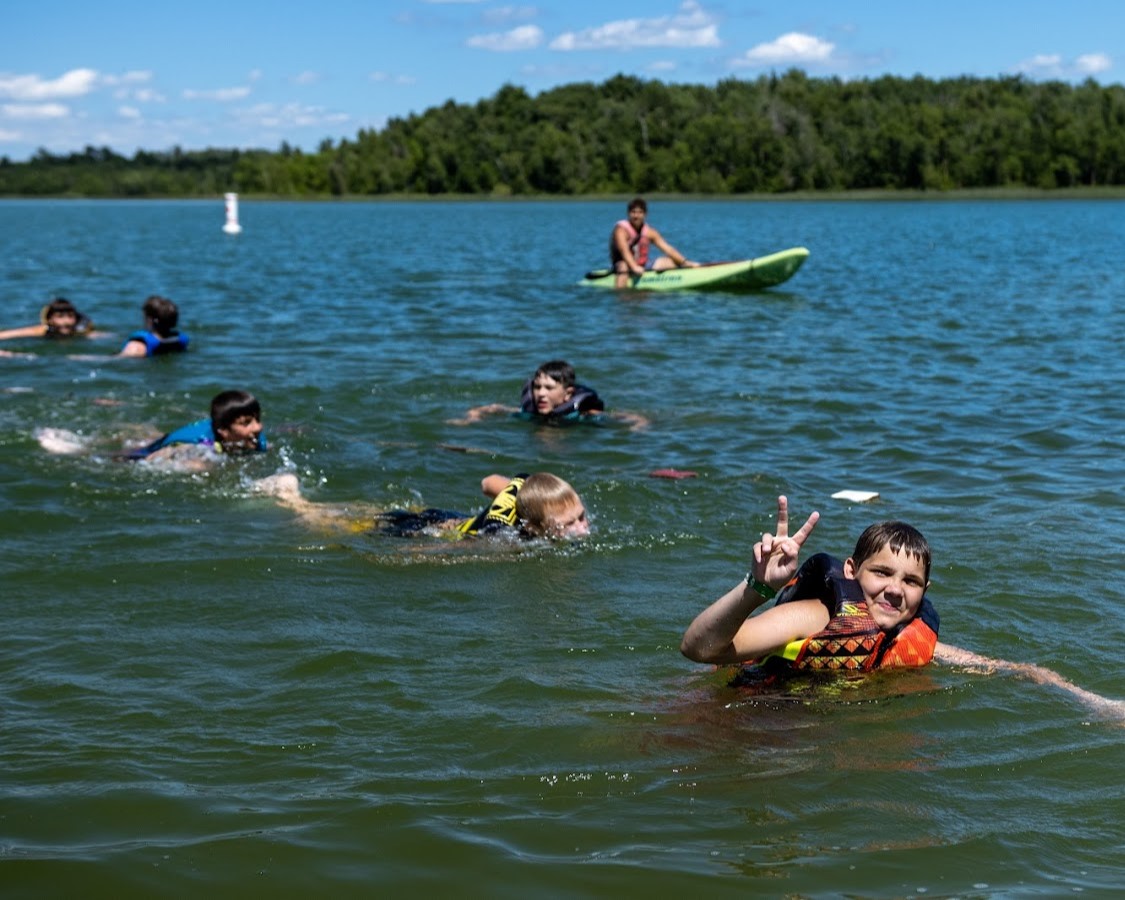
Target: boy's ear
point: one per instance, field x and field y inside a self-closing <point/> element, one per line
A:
<point x="850" y="568"/>
<point x="568" y="393"/>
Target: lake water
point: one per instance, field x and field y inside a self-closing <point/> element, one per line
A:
<point x="200" y="696"/>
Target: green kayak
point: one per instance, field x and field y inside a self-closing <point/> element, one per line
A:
<point x="744" y="274"/>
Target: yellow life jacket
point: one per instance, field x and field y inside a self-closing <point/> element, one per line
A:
<point x="501" y="512"/>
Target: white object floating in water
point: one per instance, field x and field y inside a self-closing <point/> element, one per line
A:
<point x="231" y="226"/>
<point x="855" y="496"/>
<point x="59" y="440"/>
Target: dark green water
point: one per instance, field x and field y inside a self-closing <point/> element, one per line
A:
<point x="198" y="696"/>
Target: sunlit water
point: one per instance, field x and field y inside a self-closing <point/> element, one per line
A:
<point x="198" y="695"/>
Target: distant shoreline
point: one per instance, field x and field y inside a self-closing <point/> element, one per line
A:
<point x="1015" y="193"/>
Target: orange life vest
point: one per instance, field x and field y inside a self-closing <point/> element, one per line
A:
<point x="852" y="641"/>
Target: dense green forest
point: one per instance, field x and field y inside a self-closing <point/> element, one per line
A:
<point x="775" y="134"/>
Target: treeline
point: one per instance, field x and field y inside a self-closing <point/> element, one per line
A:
<point x="771" y="135"/>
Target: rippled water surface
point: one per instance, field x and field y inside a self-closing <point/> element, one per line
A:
<point x="199" y="695"/>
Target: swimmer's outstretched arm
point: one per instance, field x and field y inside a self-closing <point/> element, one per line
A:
<point x="955" y="656"/>
<point x="635" y="421"/>
<point x="724" y="633"/>
<point x="25" y="332"/>
<point x="479" y="412"/>
<point x="285" y="488"/>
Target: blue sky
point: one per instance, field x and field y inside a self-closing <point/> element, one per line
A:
<point x="154" y="75"/>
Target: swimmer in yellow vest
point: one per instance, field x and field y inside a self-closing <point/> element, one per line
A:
<point x="540" y="505"/>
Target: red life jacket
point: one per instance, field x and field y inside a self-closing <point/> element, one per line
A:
<point x="638" y="242"/>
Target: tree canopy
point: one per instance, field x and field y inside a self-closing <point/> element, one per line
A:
<point x="776" y="134"/>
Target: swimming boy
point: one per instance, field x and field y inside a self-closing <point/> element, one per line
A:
<point x="553" y="395"/>
<point x="541" y="505"/>
<point x="629" y="246"/>
<point x="159" y="336"/>
<point x="868" y="612"/>
<point x="234" y="427"/>
<point x="58" y="319"/>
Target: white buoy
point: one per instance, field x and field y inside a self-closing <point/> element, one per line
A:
<point x="232" y="226"/>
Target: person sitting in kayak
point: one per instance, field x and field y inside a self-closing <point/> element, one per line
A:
<point x="868" y="612"/>
<point x="553" y="395"/>
<point x="629" y="247"/>
<point x="58" y="319"/>
<point x="159" y="336"/>
<point x="540" y="505"/>
<point x="233" y="428"/>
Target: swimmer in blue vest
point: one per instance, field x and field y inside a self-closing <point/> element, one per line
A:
<point x="234" y="428"/>
<point x="553" y="395"/>
<point x="159" y="336"/>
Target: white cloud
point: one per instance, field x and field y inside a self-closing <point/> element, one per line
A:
<point x="1052" y="65"/>
<point x="525" y="37"/>
<point x="223" y="95"/>
<point x="1093" y="63"/>
<point x="128" y="112"/>
<point x="306" y="77"/>
<point x="1042" y="64"/>
<point x="789" y="49"/>
<point x="134" y="77"/>
<point x="394" y="79"/>
<point x="661" y="65"/>
<point x="139" y="95"/>
<point x="74" y="83"/>
<point x="10" y="135"/>
<point x="35" y="111"/>
<point x="289" y="115"/>
<point x="501" y="14"/>
<point x="692" y="26"/>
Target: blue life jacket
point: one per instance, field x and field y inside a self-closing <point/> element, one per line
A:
<point x="200" y="432"/>
<point x="155" y="345"/>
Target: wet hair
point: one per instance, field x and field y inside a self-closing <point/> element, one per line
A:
<point x="163" y="313"/>
<point x="638" y="203"/>
<point x="557" y="370"/>
<point x="899" y="537"/>
<point x="62" y="305"/>
<point x="229" y="406"/>
<point x="543" y="497"/>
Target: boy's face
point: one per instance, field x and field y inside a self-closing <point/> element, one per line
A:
<point x="569" y="522"/>
<point x="546" y="393"/>
<point x="636" y="217"/>
<point x="241" y="436"/>
<point x="892" y="584"/>
<point x="62" y="322"/>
